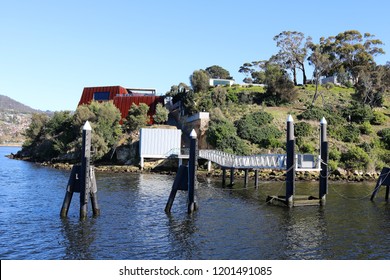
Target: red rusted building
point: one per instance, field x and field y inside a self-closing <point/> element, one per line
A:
<point x="122" y="97"/>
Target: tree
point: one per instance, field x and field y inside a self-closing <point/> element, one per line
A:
<point x="161" y="115"/>
<point x="217" y="72"/>
<point x="293" y="52"/>
<point x="352" y="51"/>
<point x="254" y="72"/>
<point x="321" y="62"/>
<point x="278" y="83"/>
<point x="199" y="81"/>
<point x="137" y="117"/>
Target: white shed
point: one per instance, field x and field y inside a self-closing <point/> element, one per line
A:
<point x="159" y="143"/>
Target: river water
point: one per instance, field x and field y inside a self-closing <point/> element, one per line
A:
<point x="229" y="224"/>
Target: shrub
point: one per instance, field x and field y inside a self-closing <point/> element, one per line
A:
<point x="355" y="158"/>
<point x="366" y="128"/>
<point x="257" y="128"/>
<point x="302" y="129"/>
<point x="161" y="115"/>
<point x="223" y="136"/>
<point x="384" y="134"/>
<point x="378" y="118"/>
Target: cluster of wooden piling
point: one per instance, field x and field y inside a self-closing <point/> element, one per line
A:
<point x="185" y="179"/>
<point x="82" y="180"/>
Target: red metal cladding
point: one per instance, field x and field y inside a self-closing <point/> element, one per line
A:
<point x="121" y="99"/>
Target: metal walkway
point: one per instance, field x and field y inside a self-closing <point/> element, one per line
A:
<point x="304" y="162"/>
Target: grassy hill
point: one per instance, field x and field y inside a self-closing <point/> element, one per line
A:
<point x="357" y="134"/>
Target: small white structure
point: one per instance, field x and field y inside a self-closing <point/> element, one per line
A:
<point x="331" y="79"/>
<point x="221" y="82"/>
<point x="159" y="143"/>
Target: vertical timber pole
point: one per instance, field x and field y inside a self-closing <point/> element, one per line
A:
<point x="192" y="171"/>
<point x="246" y="178"/>
<point x="290" y="176"/>
<point x="231" y="176"/>
<point x="223" y="176"/>
<point x="256" y="178"/>
<point x="85" y="170"/>
<point x="324" y="154"/>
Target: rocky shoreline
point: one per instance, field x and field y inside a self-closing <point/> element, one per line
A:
<point x="265" y="175"/>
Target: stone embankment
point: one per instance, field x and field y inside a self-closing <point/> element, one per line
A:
<point x="265" y="175"/>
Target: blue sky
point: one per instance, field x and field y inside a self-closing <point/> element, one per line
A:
<point x="51" y="50"/>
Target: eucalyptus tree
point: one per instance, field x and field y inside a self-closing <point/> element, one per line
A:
<point x="293" y="52"/>
<point x="353" y="52"/>
<point x="217" y="72"/>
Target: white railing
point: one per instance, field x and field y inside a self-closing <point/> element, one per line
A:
<point x="271" y="161"/>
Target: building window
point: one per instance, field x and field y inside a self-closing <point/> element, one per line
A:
<point x="101" y="96"/>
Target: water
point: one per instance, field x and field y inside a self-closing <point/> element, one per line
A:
<point x="235" y="224"/>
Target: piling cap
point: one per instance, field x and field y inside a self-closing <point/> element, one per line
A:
<point x="290" y="119"/>
<point x="193" y="134"/>
<point x="87" y="126"/>
<point x="323" y="121"/>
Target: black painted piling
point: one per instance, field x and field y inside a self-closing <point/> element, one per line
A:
<point x="82" y="180"/>
<point x="324" y="155"/>
<point x="186" y="178"/>
<point x="246" y="178"/>
<point x="383" y="180"/>
<point x="192" y="164"/>
<point x="290" y="167"/>
<point x="223" y="176"/>
<point x="232" y="176"/>
<point x="256" y="178"/>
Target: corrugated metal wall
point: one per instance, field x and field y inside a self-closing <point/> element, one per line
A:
<point x="159" y="143"/>
<point x="122" y="100"/>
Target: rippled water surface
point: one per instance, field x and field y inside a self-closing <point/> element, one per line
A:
<point x="230" y="224"/>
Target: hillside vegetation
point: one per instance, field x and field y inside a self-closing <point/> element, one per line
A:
<point x="359" y="135"/>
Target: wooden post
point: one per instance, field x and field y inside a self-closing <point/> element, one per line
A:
<point x="82" y="180"/>
<point x="387" y="192"/>
<point x="192" y="172"/>
<point x="324" y="154"/>
<point x="85" y="170"/>
<point x="246" y="178"/>
<point x="180" y="183"/>
<point x="290" y="178"/>
<point x="223" y="176"/>
<point x="232" y="176"/>
<point x="256" y="178"/>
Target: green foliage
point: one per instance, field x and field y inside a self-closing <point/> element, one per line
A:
<point x="302" y="129"/>
<point x="366" y="128"/>
<point x="384" y="135"/>
<point x="223" y="136"/>
<point x="137" y="117"/>
<point x="217" y="72"/>
<point x="355" y="158"/>
<point x="32" y="133"/>
<point x="61" y="134"/>
<point x="378" y="118"/>
<point x="257" y="128"/>
<point x="349" y="133"/>
<point x="199" y="81"/>
<point x="161" y="115"/>
<point x="218" y="96"/>
<point x="359" y="113"/>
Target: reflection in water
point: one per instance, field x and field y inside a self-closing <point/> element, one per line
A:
<point x="305" y="234"/>
<point x="78" y="238"/>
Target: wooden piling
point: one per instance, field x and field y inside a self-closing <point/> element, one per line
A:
<point x="246" y="177"/>
<point x="232" y="176"/>
<point x="256" y="178"/>
<point x="290" y="176"/>
<point x="324" y="155"/>
<point x="82" y="180"/>
<point x="192" y="163"/>
<point x="223" y="176"/>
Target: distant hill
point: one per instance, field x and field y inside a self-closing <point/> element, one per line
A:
<point x="9" y="104"/>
